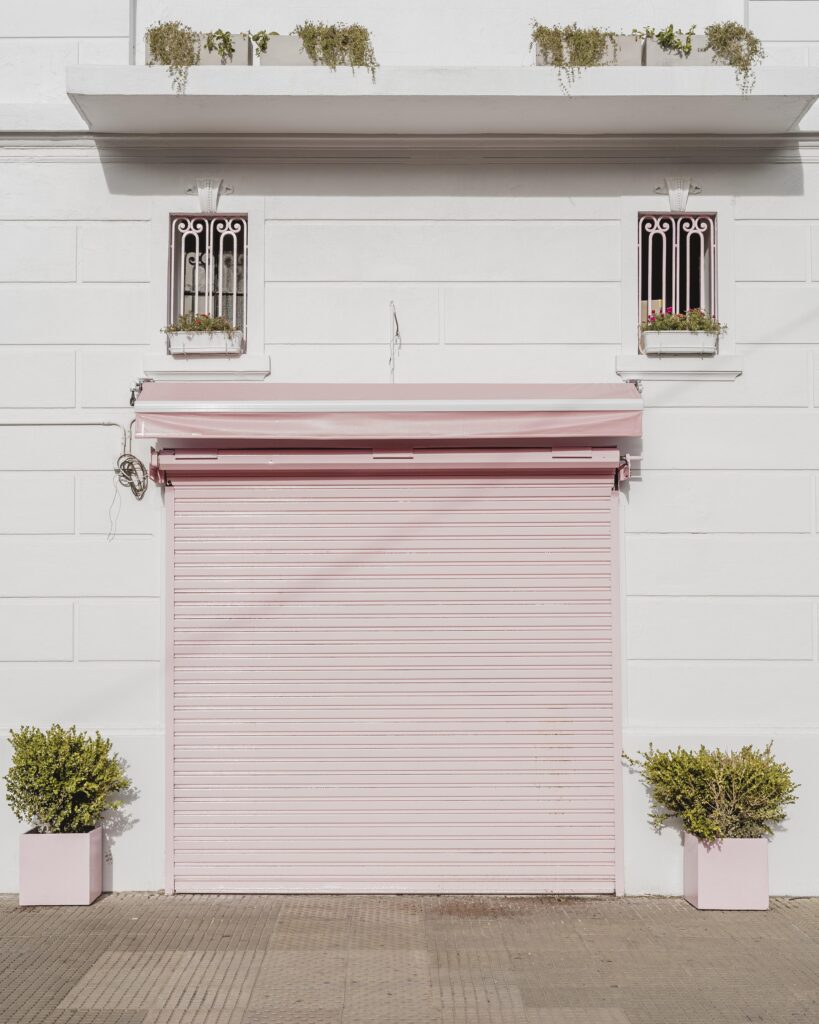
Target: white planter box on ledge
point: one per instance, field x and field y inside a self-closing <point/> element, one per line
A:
<point x="204" y="343"/>
<point x="679" y="343"/>
<point x="241" y="58"/>
<point x="284" y="52"/>
<point x="657" y="57"/>
<point x="629" y="53"/>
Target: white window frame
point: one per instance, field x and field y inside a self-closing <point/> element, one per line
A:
<point x="252" y="363"/>
<point x="633" y="364"/>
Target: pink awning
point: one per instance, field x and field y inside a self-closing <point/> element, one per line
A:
<point x="422" y="413"/>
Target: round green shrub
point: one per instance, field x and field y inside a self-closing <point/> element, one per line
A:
<point x="717" y="794"/>
<point x="61" y="780"/>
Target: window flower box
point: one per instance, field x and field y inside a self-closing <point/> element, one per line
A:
<point x="60" y="869"/>
<point x="679" y="343"/>
<point x="284" y="51"/>
<point x="241" y="56"/>
<point x="693" y="332"/>
<point x="200" y="334"/>
<point x="201" y="343"/>
<point x="728" y="874"/>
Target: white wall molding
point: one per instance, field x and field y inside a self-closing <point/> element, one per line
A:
<point x="160" y="366"/>
<point x="642" y="367"/>
<point x="68" y="146"/>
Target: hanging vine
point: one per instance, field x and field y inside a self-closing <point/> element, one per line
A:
<point x="736" y="45"/>
<point x="334" y="45"/>
<point x="175" y="45"/>
<point x="571" y="49"/>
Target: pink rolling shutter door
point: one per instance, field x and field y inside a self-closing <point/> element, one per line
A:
<point x="395" y="682"/>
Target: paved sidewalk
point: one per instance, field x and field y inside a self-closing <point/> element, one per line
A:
<point x="150" y="959"/>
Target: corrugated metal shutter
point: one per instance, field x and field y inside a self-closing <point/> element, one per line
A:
<point x="393" y="683"/>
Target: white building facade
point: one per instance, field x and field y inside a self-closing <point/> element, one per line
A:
<point x="500" y="220"/>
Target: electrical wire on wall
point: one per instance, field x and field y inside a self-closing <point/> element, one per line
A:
<point x="129" y="470"/>
<point x="395" y="341"/>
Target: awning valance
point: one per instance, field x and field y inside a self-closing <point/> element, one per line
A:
<point x="419" y="413"/>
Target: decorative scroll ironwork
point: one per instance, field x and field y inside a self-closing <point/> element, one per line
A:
<point x="207" y="263"/>
<point x="678" y="262"/>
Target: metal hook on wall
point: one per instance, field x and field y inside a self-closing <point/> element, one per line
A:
<point x="395" y="340"/>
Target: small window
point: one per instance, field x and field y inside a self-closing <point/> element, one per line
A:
<point x="208" y="258"/>
<point x="678" y="263"/>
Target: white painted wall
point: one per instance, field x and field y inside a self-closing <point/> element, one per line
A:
<point x="501" y="271"/>
<point x="38" y="40"/>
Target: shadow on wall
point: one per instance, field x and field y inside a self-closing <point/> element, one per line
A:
<point x="116" y="823"/>
<point x="561" y="168"/>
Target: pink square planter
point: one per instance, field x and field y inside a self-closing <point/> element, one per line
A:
<point x="60" y="869"/>
<point x="729" y="875"/>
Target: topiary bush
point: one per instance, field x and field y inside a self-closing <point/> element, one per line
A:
<point x="61" y="780"/>
<point x="177" y="46"/>
<point x="333" y="45"/>
<point x="717" y="794"/>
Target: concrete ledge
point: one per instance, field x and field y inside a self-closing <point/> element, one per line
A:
<point x="440" y="101"/>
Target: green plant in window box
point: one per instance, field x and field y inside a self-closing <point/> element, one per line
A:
<point x="737" y="46"/>
<point x="571" y="49"/>
<point x="175" y="45"/>
<point x="717" y="794"/>
<point x="334" y="45"/>
<point x="690" y="320"/>
<point x="222" y="42"/>
<point x="62" y="780"/>
<point x="190" y="322"/>
<point x="670" y="39"/>
<point x="260" y="40"/>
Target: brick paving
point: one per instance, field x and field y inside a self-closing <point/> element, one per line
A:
<point x="152" y="959"/>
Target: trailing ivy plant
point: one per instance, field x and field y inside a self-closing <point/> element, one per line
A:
<point x="670" y="39"/>
<point x="570" y="49"/>
<point x="62" y="780"/>
<point x="191" y="322"/>
<point x="717" y="794"/>
<point x="222" y="43"/>
<point x="690" y="320"/>
<point x="333" y="45"/>
<point x="736" y="45"/>
<point x="175" y="45"/>
<point x="260" y="40"/>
